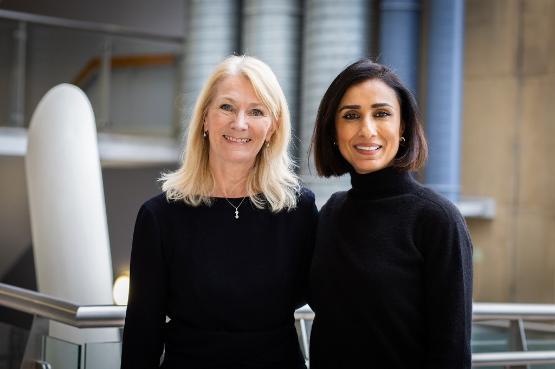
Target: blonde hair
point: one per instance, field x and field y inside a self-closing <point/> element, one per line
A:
<point x="272" y="180"/>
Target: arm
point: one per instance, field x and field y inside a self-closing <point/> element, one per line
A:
<point x="146" y="309"/>
<point x="448" y="290"/>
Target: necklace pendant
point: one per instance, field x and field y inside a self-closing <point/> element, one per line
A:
<point x="236" y="214"/>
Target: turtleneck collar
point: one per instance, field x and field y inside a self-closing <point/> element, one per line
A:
<point x="382" y="183"/>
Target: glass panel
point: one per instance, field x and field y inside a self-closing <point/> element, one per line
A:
<point x="12" y="345"/>
<point x="540" y="340"/>
<point x="7" y="31"/>
<point x="61" y="354"/>
<point x="142" y="77"/>
<point x="489" y="339"/>
<point x="105" y="355"/>
<point x="143" y="81"/>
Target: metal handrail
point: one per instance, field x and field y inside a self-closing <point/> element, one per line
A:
<point x="40" y="304"/>
<point x="512" y="311"/>
<point x="513" y="358"/>
<point x="37" y="303"/>
<point x="110" y="29"/>
<point x="114" y="316"/>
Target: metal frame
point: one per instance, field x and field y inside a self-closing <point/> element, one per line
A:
<point x="17" y="107"/>
<point x="39" y="304"/>
<point x="110" y="29"/>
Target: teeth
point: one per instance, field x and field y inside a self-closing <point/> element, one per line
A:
<point x="235" y="139"/>
<point x="368" y="148"/>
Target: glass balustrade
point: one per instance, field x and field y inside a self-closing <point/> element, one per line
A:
<point x="133" y="82"/>
<point x="12" y="345"/>
<point x="65" y="335"/>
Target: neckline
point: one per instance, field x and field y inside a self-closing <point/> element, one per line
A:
<point x="382" y="183"/>
<point x="223" y="198"/>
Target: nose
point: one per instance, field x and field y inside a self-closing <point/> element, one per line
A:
<point x="240" y="122"/>
<point x="368" y="128"/>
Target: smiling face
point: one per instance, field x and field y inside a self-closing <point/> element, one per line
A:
<point x="368" y="126"/>
<point x="237" y="123"/>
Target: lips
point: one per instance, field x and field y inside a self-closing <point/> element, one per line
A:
<point x="239" y="140"/>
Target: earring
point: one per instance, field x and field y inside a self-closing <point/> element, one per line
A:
<point x="402" y="139"/>
<point x="334" y="143"/>
<point x="267" y="144"/>
<point x="204" y="134"/>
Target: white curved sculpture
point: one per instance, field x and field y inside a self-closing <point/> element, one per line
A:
<point x="66" y="197"/>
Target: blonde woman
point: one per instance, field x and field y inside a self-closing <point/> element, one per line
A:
<point x="224" y="251"/>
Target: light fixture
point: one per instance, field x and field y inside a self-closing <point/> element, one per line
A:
<point x="120" y="290"/>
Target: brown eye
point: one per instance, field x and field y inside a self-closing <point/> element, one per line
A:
<point x="382" y="114"/>
<point x="351" y="116"/>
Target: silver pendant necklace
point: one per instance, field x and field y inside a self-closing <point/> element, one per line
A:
<point x="235" y="207"/>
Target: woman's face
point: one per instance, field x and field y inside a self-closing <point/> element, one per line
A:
<point x="368" y="126"/>
<point x="237" y="122"/>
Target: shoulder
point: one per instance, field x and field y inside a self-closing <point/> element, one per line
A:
<point x="437" y="206"/>
<point x="306" y="202"/>
<point x="305" y="197"/>
<point x="436" y="213"/>
<point x="159" y="205"/>
<point x="156" y="203"/>
<point x="335" y="201"/>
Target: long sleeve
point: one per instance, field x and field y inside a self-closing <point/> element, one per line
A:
<point x="448" y="289"/>
<point x="146" y="309"/>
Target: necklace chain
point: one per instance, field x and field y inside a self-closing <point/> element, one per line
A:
<point x="229" y="202"/>
<point x="235" y="207"/>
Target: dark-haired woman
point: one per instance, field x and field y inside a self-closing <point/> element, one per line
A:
<point x="391" y="277"/>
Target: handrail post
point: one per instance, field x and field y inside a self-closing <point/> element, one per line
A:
<point x="304" y="337"/>
<point x="39" y="364"/>
<point x="517" y="339"/>
<point x="105" y="83"/>
<point x="17" y="108"/>
<point x="34" y="348"/>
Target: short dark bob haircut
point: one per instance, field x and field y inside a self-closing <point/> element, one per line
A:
<point x="329" y="162"/>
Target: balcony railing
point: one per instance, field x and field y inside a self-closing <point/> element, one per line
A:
<point x="132" y="76"/>
<point x="45" y="308"/>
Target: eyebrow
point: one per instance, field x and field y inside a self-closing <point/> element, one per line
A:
<point x="376" y="105"/>
<point x="252" y="104"/>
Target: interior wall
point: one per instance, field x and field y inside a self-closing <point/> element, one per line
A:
<point x="507" y="151"/>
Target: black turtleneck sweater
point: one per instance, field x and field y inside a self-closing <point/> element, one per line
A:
<point x="228" y="286"/>
<point x="391" y="278"/>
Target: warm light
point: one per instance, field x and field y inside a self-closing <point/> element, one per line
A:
<point x="121" y="289"/>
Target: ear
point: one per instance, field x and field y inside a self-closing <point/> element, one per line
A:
<point x="271" y="131"/>
<point x="402" y="129"/>
<point x="205" y="123"/>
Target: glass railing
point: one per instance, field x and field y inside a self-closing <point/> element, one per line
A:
<point x="14" y="340"/>
<point x="62" y="334"/>
<point x="66" y="335"/>
<point x="132" y="78"/>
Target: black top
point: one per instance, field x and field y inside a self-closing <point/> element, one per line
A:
<point x="391" y="278"/>
<point x="228" y="286"/>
